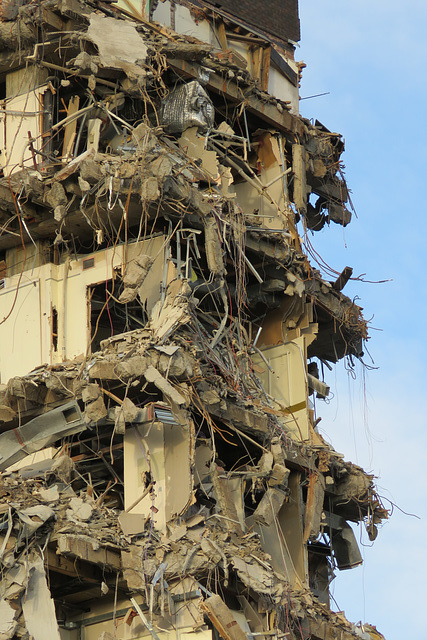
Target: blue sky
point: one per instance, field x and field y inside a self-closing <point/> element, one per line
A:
<point x="371" y="57"/>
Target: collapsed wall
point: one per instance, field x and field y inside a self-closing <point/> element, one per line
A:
<point x="164" y="333"/>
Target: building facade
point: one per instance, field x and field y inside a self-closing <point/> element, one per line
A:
<point x="163" y="331"/>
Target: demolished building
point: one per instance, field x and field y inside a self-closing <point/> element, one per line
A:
<point x="163" y="332"/>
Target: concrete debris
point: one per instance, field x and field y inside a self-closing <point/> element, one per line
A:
<point x="63" y="467"/>
<point x="95" y="410"/>
<point x="50" y="495"/>
<point x="119" y="45"/>
<point x="164" y="332"/>
<point x="8" y="622"/>
<point x="79" y="509"/>
<point x="135" y="274"/>
<point x="90" y="393"/>
<point x="279" y="475"/>
<point x="267" y="510"/>
<point x="256" y="576"/>
<point x="152" y="375"/>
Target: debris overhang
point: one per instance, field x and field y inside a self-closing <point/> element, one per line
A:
<point x="267" y="113"/>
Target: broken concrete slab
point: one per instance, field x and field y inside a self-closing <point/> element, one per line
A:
<point x="152" y="375"/>
<point x="79" y="509"/>
<point x="37" y="605"/>
<point x="8" y="621"/>
<point x="269" y="507"/>
<point x="119" y="45"/>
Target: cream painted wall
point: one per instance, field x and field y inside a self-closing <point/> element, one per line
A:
<point x="184" y="23"/>
<point x="286" y="380"/>
<point x="280" y="87"/>
<point x="18" y="116"/>
<point x="25" y="336"/>
<point x="21" y="334"/>
<point x="163" y="450"/>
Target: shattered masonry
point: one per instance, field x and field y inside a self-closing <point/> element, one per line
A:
<point x="163" y="333"/>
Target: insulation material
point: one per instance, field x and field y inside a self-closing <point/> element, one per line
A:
<point x="188" y="106"/>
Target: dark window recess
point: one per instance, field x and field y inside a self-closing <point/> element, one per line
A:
<point x="320" y="571"/>
<point x="54" y="321"/>
<point x="107" y="317"/>
<point x="70" y="415"/>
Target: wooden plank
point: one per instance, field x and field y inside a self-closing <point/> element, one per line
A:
<point x="222" y="36"/>
<point x="93" y="134"/>
<point x="265" y="71"/>
<point x="222" y="618"/>
<point x="300" y="187"/>
<point x="241" y="38"/>
<point x="70" y="129"/>
<point x="55" y="21"/>
<point x="256" y="58"/>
